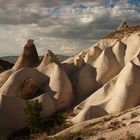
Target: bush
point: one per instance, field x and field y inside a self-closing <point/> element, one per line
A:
<point x="33" y="119"/>
<point x="55" y="123"/>
<point x="36" y="126"/>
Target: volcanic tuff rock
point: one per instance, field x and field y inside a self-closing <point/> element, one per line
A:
<point x="99" y="81"/>
<point x="27" y="58"/>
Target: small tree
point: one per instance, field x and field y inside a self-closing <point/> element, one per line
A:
<point x="33" y="119"/>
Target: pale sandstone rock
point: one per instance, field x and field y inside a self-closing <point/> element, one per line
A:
<point x="73" y="64"/>
<point x="24" y="83"/>
<point x="112" y="63"/>
<point x="107" y="66"/>
<point x="123" y="94"/>
<point x="12" y="114"/>
<point x="93" y="53"/>
<point x="60" y="85"/>
<point x="27" y="58"/>
<point x="133" y="46"/>
<point x="119" y="50"/>
<point x="122" y="25"/>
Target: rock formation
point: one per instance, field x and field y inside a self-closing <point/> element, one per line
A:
<point x="73" y="64"/>
<point x="99" y="81"/>
<point x="60" y="85"/>
<point x="12" y="114"/>
<point x="122" y="25"/>
<point x="24" y="83"/>
<point x="84" y="82"/>
<point x="121" y="92"/>
<point x="27" y="58"/>
<point x="47" y="83"/>
<point x="92" y="54"/>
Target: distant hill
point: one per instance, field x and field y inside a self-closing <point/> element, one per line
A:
<point x="12" y="59"/>
<point x="6" y="64"/>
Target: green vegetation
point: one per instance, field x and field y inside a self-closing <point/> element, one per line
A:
<point x="36" y="126"/>
<point x="33" y="119"/>
<point x="55" y="123"/>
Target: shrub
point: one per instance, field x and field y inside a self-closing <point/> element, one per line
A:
<point x="35" y="126"/>
<point x="33" y="119"/>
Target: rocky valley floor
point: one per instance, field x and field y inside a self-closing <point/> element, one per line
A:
<point x="121" y="126"/>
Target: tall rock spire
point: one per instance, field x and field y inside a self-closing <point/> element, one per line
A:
<point x="123" y="24"/>
<point x="28" y="57"/>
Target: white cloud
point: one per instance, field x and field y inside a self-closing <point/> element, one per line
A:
<point x="86" y="19"/>
<point x="63" y="26"/>
<point x="68" y="50"/>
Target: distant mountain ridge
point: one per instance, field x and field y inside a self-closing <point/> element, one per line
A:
<point x="5" y="64"/>
<point x="12" y="59"/>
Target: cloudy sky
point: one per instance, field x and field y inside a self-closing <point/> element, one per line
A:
<point x="64" y="26"/>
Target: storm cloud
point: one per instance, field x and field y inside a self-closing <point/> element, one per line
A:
<point x="66" y="26"/>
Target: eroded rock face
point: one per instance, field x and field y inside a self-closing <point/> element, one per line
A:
<point x="117" y="69"/>
<point x="48" y="58"/>
<point x="12" y="114"/>
<point x="24" y="83"/>
<point x="60" y="85"/>
<point x="84" y="82"/>
<point x="27" y="58"/>
<point x="107" y="66"/>
<point x="93" y="53"/>
<point x="73" y="64"/>
<point x="123" y="24"/>
<point x="101" y="80"/>
<point x="119" y="94"/>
